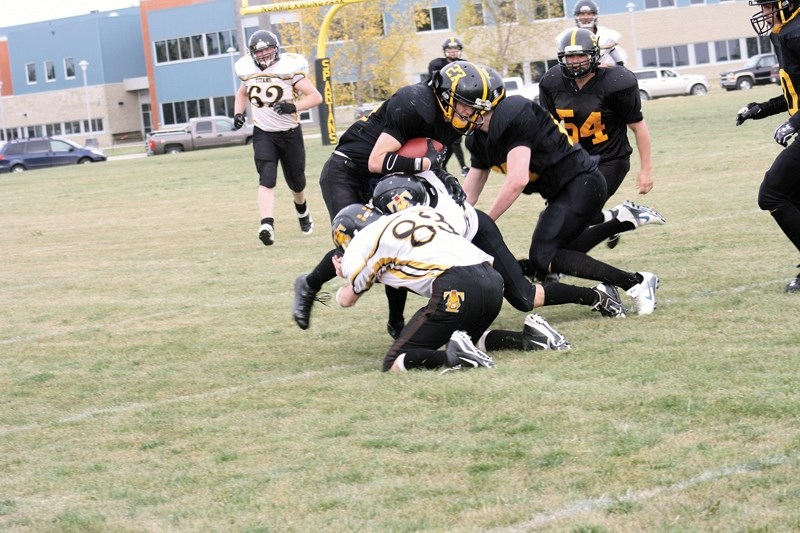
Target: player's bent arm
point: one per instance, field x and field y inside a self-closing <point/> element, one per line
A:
<point x="311" y="96"/>
<point x="517" y="164"/>
<point x="474" y="184"/>
<point x="346" y="296"/>
<point x="644" y="181"/>
<point x="384" y="160"/>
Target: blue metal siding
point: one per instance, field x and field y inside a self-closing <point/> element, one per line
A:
<point x="121" y="43"/>
<point x="212" y="16"/>
<point x="202" y="78"/>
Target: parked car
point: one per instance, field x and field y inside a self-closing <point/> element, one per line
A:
<point x="775" y="73"/>
<point x="515" y="85"/>
<point x="200" y="133"/>
<point x="757" y="71"/>
<point x="43" y="152"/>
<point x="657" y="82"/>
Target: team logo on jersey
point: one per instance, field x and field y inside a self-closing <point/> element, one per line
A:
<point x="400" y="202"/>
<point x="453" y="299"/>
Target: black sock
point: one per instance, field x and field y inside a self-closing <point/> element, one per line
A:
<point x="594" y="235"/>
<point x="502" y="339"/>
<point x="580" y="265"/>
<point x="268" y="220"/>
<point x="562" y="293"/>
<point x="300" y="208"/>
<point x="425" y="358"/>
<point x="397" y="303"/>
<point x="323" y="272"/>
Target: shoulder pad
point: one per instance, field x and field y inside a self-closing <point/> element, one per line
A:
<point x="606" y="37"/>
<point x="290" y="62"/>
<point x="245" y="67"/>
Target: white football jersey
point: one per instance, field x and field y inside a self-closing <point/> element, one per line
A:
<point x="273" y="84"/>
<point x="409" y="250"/>
<point x="463" y="219"/>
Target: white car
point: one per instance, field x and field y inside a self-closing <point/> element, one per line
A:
<point x="656" y="82"/>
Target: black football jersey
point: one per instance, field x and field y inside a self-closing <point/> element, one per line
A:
<point x="409" y="113"/>
<point x="517" y="121"/>
<point x="596" y="116"/>
<point x="786" y="42"/>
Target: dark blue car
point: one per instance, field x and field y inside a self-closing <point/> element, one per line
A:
<point x="28" y="154"/>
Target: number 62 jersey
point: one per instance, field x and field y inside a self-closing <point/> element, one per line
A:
<point x="273" y="84"/>
<point x="408" y="249"/>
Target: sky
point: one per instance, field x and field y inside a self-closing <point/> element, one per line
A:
<point x="25" y="11"/>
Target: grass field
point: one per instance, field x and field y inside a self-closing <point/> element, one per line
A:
<point x="152" y="379"/>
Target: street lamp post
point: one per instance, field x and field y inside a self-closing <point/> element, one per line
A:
<point x="230" y="51"/>
<point x="631" y="6"/>
<point x="84" y="65"/>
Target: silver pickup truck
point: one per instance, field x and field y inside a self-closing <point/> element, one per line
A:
<point x="198" y="134"/>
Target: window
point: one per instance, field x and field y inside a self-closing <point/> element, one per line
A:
<point x="477" y="13"/>
<point x="197" y="46"/>
<point x="729" y="50"/>
<point x="69" y="68"/>
<point x="53" y="129"/>
<point x="30" y="72"/>
<point x="185" y="47"/>
<point x="181" y="112"/>
<point x="549" y="9"/>
<point x="654" y="4"/>
<point x="212" y="44"/>
<point x="71" y="128"/>
<point x="696" y="2"/>
<point x="60" y="146"/>
<point x="758" y="45"/>
<point x="49" y="71"/>
<point x="646" y="75"/>
<point x="432" y="19"/>
<point x="506" y="12"/>
<point x="701" y="56"/>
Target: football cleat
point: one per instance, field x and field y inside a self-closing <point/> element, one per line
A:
<point x="537" y="334"/>
<point x="644" y="294"/>
<point x="267" y="234"/>
<point x="794" y="285"/>
<point x="638" y="215"/>
<point x="306" y="222"/>
<point x="395" y="328"/>
<point x="304" y="298"/>
<point x="608" y="301"/>
<point x="613" y="241"/>
<point x="462" y="353"/>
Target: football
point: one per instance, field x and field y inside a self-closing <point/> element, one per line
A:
<point x="418" y="147"/>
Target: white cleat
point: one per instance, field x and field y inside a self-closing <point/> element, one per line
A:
<point x="537" y="334"/>
<point x="644" y="294"/>
<point x="638" y="215"/>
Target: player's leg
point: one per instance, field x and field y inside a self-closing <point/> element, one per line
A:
<point x="780" y="195"/>
<point x="266" y="158"/>
<point x="293" y="163"/>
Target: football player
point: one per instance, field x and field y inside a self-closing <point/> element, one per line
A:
<point x="780" y="190"/>
<point x="368" y="150"/>
<point x="277" y="86"/>
<point x="521" y="139"/>
<point x="401" y="191"/>
<point x="451" y="50"/>
<point x="597" y="106"/>
<point x="415" y="249"/>
<point x="586" y="15"/>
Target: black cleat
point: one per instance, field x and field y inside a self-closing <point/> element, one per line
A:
<point x="304" y="298"/>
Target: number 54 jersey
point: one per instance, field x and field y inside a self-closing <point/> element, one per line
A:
<point x="408" y="249"/>
<point x="596" y="116"/>
<point x="273" y="84"/>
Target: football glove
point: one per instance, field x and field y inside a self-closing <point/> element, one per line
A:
<point x="751" y="110"/>
<point x="436" y="158"/>
<point x="284" y="108"/>
<point x="784" y="133"/>
<point x="238" y="121"/>
<point x="454" y="188"/>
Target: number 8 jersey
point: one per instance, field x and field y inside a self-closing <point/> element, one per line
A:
<point x="409" y="249"/>
<point x="273" y="84"/>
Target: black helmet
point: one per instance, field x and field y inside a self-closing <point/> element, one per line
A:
<point x="264" y="40"/>
<point x="473" y="85"/>
<point x="586" y="6"/>
<point x="452" y="42"/>
<point x="578" y="42"/>
<point x="349" y="221"/>
<point x="397" y="192"/>
<point x="785" y="10"/>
